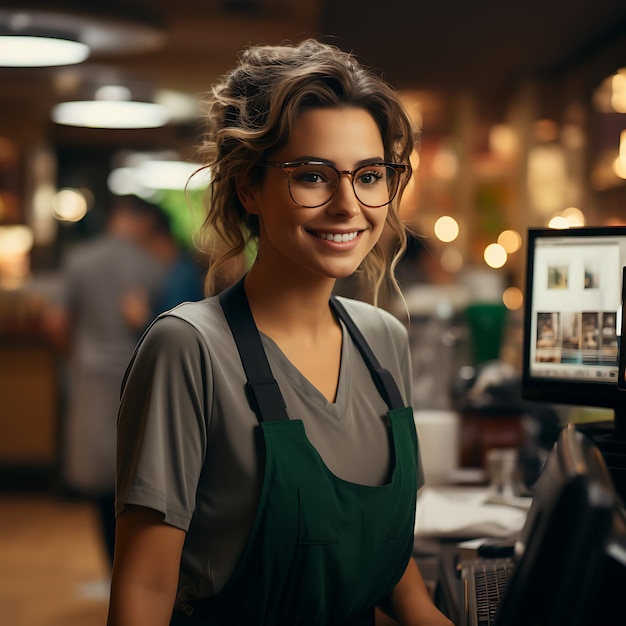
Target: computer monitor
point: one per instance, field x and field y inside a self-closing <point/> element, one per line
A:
<point x="572" y="328"/>
<point x="561" y="553"/>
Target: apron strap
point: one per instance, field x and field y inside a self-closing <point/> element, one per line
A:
<point x="263" y="390"/>
<point x="382" y="377"/>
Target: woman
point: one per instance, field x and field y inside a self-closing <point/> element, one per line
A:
<point x="267" y="463"/>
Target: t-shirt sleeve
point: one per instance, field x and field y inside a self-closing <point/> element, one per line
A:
<point x="163" y="421"/>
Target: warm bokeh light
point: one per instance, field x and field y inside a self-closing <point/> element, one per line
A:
<point x="510" y="240"/>
<point x="547" y="179"/>
<point x="451" y="260"/>
<point x="445" y="164"/>
<point x="16" y="239"/>
<point x="16" y="242"/>
<point x="502" y="140"/>
<point x="619" y="167"/>
<point x="446" y="229"/>
<point x="619" y="164"/>
<point x="70" y="205"/>
<point x="618" y="91"/>
<point x="495" y="255"/>
<point x="558" y="222"/>
<point x="513" y="298"/>
<point x="574" y="216"/>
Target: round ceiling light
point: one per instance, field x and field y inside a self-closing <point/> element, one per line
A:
<point x="40" y="51"/>
<point x="39" y="37"/>
<point x="110" y="114"/>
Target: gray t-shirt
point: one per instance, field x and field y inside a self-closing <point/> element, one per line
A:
<point x="186" y="433"/>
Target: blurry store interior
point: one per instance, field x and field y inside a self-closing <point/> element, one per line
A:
<point x="521" y="108"/>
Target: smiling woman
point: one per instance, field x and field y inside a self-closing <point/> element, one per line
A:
<point x="334" y="232"/>
<point x="268" y="463"/>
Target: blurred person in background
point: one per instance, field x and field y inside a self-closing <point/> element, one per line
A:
<point x="107" y="283"/>
<point x="183" y="280"/>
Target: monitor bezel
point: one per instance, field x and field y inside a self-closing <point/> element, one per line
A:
<point x="621" y="357"/>
<point x="603" y="394"/>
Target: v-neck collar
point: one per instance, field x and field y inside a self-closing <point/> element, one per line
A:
<point x="278" y="358"/>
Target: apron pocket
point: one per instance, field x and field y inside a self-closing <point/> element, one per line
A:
<point x="319" y="519"/>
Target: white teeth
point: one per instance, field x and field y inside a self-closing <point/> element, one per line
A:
<point x="338" y="237"/>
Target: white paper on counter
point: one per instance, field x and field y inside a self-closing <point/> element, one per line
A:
<point x="462" y="512"/>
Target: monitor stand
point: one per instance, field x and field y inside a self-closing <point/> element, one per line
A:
<point x="610" y="437"/>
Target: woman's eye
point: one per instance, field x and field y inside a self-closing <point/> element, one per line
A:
<point x="370" y="177"/>
<point x="311" y="177"/>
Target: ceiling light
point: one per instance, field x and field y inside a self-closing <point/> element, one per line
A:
<point x="112" y="106"/>
<point x="120" y="29"/>
<point x="147" y="176"/>
<point x="172" y="174"/>
<point x="110" y="114"/>
<point x="40" y="51"/>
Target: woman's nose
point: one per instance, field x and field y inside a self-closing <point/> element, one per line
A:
<point x="345" y="200"/>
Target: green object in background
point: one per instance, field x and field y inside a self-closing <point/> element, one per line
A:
<point x="486" y="322"/>
<point x="185" y="219"/>
<point x="186" y="212"/>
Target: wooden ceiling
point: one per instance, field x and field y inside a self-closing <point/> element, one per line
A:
<point x="453" y="44"/>
<point x="483" y="46"/>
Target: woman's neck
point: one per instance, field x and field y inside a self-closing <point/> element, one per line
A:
<point x="283" y="305"/>
<point x="298" y="318"/>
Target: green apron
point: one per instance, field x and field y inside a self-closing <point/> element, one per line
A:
<point x="322" y="551"/>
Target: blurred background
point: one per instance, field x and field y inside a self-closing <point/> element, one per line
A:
<point x="522" y="114"/>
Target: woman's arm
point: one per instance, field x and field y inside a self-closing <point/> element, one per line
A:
<point x="145" y="571"/>
<point x="411" y="602"/>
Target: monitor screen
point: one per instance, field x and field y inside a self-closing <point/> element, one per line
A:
<point x="572" y="322"/>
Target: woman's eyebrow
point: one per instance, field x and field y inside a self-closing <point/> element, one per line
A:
<point x="306" y="158"/>
<point x="316" y="159"/>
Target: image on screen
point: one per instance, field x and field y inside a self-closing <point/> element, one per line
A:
<point x="575" y="312"/>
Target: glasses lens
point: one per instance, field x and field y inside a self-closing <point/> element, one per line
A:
<point x="375" y="185"/>
<point x="312" y="185"/>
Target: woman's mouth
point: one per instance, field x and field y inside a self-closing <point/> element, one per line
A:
<point x="337" y="237"/>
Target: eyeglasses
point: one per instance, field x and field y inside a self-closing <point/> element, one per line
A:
<point x="314" y="183"/>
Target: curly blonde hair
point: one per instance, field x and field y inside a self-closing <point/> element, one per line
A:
<point x="251" y="112"/>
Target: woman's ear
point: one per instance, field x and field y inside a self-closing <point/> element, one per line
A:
<point x="247" y="196"/>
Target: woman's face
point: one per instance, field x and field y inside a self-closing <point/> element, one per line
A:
<point x="330" y="240"/>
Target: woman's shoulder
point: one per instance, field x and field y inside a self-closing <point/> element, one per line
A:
<point x="200" y="311"/>
<point x="188" y="323"/>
